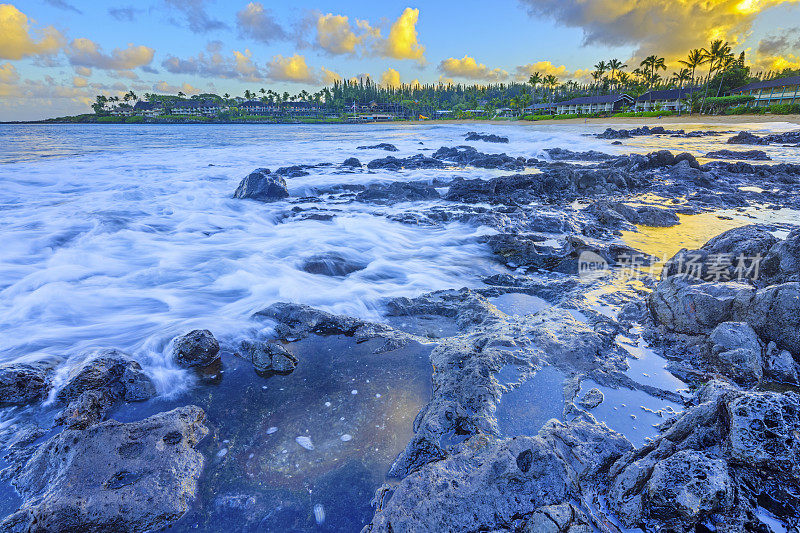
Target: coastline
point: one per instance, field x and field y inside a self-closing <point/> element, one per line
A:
<point x="686" y="119"/>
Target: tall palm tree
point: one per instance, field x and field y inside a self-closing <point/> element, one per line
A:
<point x="552" y="82"/>
<point x="680" y="77"/>
<point x="716" y="55"/>
<point x="615" y="66"/>
<point x="535" y="80"/>
<point x="695" y="58"/>
<point x="601" y="67"/>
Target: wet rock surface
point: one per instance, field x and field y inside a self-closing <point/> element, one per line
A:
<point x="24" y="383"/>
<point x="196" y="348"/>
<point x="263" y="186"/>
<point x="486" y="137"/>
<point x="745" y="155"/>
<point x="138" y="476"/>
<point x="380" y="146"/>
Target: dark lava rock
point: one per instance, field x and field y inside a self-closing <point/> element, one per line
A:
<point x="736" y="351"/>
<point x="562" y="154"/>
<point x="717" y="260"/>
<point x="196" y="348"/>
<point x="382" y="146"/>
<point x="262" y="186"/>
<point x="745" y="137"/>
<point x="414" y="162"/>
<point x="721" y="460"/>
<point x="487" y="137"/>
<point x="270" y="357"/>
<point x="487" y="483"/>
<point x="614" y="214"/>
<point x="86" y="410"/>
<point x="683" y="305"/>
<point x="112" y="476"/>
<point x="774" y="313"/>
<point x="332" y="264"/>
<point x="112" y="373"/>
<point x="529" y="250"/>
<point x="782" y="261"/>
<point x="398" y="191"/>
<point x="611" y="133"/>
<point x="24" y="383"/>
<point x="467" y="155"/>
<point x="747" y="155"/>
<point x="352" y="162"/>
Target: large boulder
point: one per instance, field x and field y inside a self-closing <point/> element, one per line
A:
<point x="774" y="313"/>
<point x="111" y="372"/>
<point x="332" y="264"/>
<point x="263" y="186"/>
<point x="782" y="261"/>
<point x="763" y="431"/>
<point x="719" y="258"/>
<point x="684" y="306"/>
<point x="487" y="483"/>
<point x="736" y="351"/>
<point x="270" y="357"/>
<point x="688" y="486"/>
<point x="196" y="348"/>
<point x="24" y="383"/>
<point x="121" y="477"/>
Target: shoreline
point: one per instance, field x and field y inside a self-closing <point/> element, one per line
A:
<point x="686" y="119"/>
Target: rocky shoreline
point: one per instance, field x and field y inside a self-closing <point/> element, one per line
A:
<point x="724" y="452"/>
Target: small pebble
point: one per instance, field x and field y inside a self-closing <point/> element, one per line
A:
<point x="222" y="453"/>
<point x="305" y="442"/>
<point x="346" y="437"/>
<point x="354" y="391"/>
<point x="272" y="430"/>
<point x="327" y="404"/>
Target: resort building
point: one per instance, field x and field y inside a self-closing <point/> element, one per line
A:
<point x="776" y="91"/>
<point x="193" y="107"/>
<point x="665" y="100"/>
<point x="257" y="107"/>
<point x="148" y="109"/>
<point x="607" y="103"/>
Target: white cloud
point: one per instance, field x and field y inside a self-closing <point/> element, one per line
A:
<point x="468" y="68"/>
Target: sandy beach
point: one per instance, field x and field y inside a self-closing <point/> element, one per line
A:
<point x="640" y="121"/>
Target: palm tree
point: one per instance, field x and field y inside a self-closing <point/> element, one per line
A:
<point x="615" y="65"/>
<point x="552" y="82"/>
<point x="535" y="80"/>
<point x="601" y="67"/>
<point x="681" y="76"/>
<point x="716" y="55"/>
<point x="695" y="58"/>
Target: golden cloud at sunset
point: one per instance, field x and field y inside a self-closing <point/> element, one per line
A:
<point x="291" y="68"/>
<point x="468" y="68"/>
<point x="18" y="40"/>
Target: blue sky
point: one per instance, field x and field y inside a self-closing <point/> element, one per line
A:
<point x="55" y="55"/>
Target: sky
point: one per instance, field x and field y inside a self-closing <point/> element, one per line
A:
<point x="57" y="55"/>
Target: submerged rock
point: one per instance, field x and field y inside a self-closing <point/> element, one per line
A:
<point x="745" y="137"/>
<point x="352" y="162"/>
<point x="332" y="264"/>
<point x="615" y="213"/>
<point x="112" y="373"/>
<point x="467" y="155"/>
<point x="398" y="191"/>
<point x="591" y="399"/>
<point x="487" y="137"/>
<point x="270" y="357"/>
<point x="381" y="146"/>
<point x="24" y="383"/>
<point x="747" y="155"/>
<point x="196" y="348"/>
<point x="414" y="162"/>
<point x="262" y="186"/>
<point x="122" y="477"/>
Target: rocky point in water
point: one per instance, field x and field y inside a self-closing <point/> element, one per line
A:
<point x="548" y="407"/>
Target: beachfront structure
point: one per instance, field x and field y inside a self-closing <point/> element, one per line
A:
<point x="257" y="107"/>
<point x="607" y="103"/>
<point x="775" y="91"/>
<point x="193" y="107"/>
<point x="665" y="100"/>
<point x="148" y="109"/>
